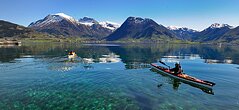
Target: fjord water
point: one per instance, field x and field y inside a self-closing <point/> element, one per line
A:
<point x="110" y="76"/>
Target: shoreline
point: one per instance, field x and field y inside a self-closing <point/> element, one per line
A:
<point x="86" y="41"/>
<point x="19" y="41"/>
<point x="10" y="42"/>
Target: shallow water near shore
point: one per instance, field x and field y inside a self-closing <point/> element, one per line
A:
<point x="116" y="76"/>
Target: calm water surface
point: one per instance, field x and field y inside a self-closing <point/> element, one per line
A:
<point x="41" y="77"/>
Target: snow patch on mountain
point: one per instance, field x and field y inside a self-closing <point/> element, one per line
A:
<point x="58" y="17"/>
<point x="105" y="24"/>
<point x="47" y="20"/>
<point x="110" y="25"/>
<point x="217" y="25"/>
<point x="175" y="28"/>
<point x="136" y="19"/>
<point x="66" y="17"/>
<point x="52" y="18"/>
<point x="87" y="21"/>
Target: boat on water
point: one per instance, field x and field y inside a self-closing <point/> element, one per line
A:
<point x="72" y="55"/>
<point x="184" y="77"/>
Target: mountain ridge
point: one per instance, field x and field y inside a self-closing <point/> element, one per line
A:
<point x="138" y="28"/>
<point x="184" y="32"/>
<point x="133" y="28"/>
<point x="213" y="32"/>
<point x="10" y="30"/>
<point x="65" y="25"/>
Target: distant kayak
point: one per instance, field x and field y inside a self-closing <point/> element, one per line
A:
<point x="184" y="77"/>
<point x="72" y="55"/>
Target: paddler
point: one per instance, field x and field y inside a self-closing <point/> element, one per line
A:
<point x="177" y="69"/>
<point x="72" y="55"/>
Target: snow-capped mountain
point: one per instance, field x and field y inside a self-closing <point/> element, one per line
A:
<point x="213" y="32"/>
<point x="88" y="21"/>
<point x="173" y="28"/>
<point x="62" y="24"/>
<point x="106" y="24"/>
<point x="183" y="32"/>
<point x="110" y="25"/>
<point x="141" y="29"/>
<point x="66" y="17"/>
<point x="138" y="20"/>
<point x="231" y="36"/>
<point x="53" y="18"/>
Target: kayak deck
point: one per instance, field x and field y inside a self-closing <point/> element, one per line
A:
<point x="184" y="77"/>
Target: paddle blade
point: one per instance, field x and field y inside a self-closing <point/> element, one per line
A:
<point x="162" y="62"/>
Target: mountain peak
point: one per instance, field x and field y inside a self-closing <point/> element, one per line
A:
<point x="88" y="21"/>
<point x="217" y="25"/>
<point x="64" y="16"/>
<point x="106" y="24"/>
<point x="52" y="18"/>
<point x="137" y="19"/>
<point x="175" y="28"/>
<point x="136" y="28"/>
<point x="110" y="25"/>
<point x="62" y="24"/>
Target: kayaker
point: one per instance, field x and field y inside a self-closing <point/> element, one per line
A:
<point x="177" y="69"/>
<point x="71" y="53"/>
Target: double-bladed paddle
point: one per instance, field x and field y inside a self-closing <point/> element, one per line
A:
<point x="164" y="64"/>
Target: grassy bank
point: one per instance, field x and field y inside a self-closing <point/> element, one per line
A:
<point x="80" y="40"/>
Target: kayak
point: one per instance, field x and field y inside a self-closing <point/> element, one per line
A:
<point x="184" y="77"/>
<point x="72" y="55"/>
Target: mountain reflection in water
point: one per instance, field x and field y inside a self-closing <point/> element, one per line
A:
<point x="134" y="57"/>
<point x="40" y="76"/>
<point x="129" y="54"/>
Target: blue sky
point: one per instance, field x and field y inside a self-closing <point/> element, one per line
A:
<point x="196" y="14"/>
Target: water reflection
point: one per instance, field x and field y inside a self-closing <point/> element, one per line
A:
<point x="137" y="65"/>
<point x="195" y="56"/>
<point x="128" y="54"/>
<point x="62" y="64"/>
<point x="107" y="58"/>
<point x="115" y="74"/>
<point x="111" y="57"/>
<point x="176" y="84"/>
<point x="185" y="56"/>
<point x="88" y="60"/>
<point x="213" y="61"/>
<point x="66" y="64"/>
